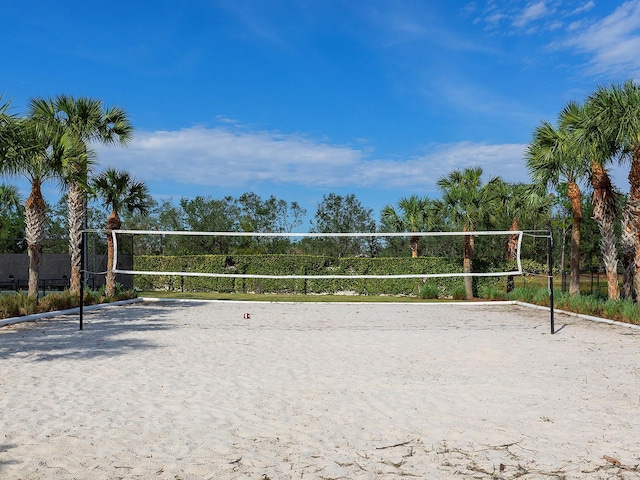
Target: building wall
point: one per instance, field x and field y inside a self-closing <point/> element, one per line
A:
<point x="15" y="268"/>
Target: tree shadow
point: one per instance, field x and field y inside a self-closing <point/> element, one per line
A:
<point x="107" y="332"/>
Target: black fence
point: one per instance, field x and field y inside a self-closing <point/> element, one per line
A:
<point x="593" y="281"/>
<point x="55" y="271"/>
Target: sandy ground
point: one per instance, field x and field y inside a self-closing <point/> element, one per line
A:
<point x="166" y="390"/>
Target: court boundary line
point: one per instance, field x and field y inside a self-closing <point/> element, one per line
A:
<point x="76" y="310"/>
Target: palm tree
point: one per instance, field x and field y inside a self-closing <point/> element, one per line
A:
<point x="520" y="203"/>
<point x="413" y="217"/>
<point x="9" y="195"/>
<point x="554" y="157"/>
<point x="89" y="121"/>
<point x="598" y="151"/>
<point x="615" y="111"/>
<point x="466" y="201"/>
<point x="9" y="198"/>
<point x="37" y="152"/>
<point x="8" y="126"/>
<point x="118" y="191"/>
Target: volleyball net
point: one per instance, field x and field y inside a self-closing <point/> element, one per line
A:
<point x="376" y="263"/>
<point x="449" y="264"/>
<point x="514" y="237"/>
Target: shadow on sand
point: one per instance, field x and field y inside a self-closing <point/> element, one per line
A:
<point x="107" y="332"/>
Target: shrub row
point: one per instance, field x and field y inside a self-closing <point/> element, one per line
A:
<point x="16" y="304"/>
<point x="446" y="287"/>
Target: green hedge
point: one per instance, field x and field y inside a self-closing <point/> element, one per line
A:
<point x="298" y="265"/>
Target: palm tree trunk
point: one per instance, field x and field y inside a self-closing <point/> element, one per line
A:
<point x="35" y="218"/>
<point x="575" y="195"/>
<point x="77" y="205"/>
<point x="627" y="247"/>
<point x="466" y="264"/>
<point x="113" y="223"/>
<point x="563" y="247"/>
<point x="604" y="213"/>
<point x="512" y="250"/>
<point x="634" y="208"/>
<point x="414" y="246"/>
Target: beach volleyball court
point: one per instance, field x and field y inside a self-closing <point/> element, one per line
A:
<point x="232" y="390"/>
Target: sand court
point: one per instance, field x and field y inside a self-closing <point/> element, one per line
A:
<point x="191" y="390"/>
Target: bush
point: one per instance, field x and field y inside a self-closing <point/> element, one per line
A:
<point x="16" y="305"/>
<point x="594" y="305"/>
<point x="541" y="297"/>
<point x="20" y="304"/>
<point x="58" y="301"/>
<point x="429" y="291"/>
<point x="459" y="293"/>
<point x="523" y="294"/>
<point x="493" y="293"/>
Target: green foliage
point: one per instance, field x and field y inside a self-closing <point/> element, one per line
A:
<point x="459" y="293"/>
<point x="119" y="191"/>
<point x="58" y="301"/>
<point x="11" y="220"/>
<point x="492" y="292"/>
<point x="16" y="305"/>
<point x="20" y="304"/>
<point x="294" y="265"/>
<point x="530" y="267"/>
<point x="429" y="291"/>
<point x="594" y="305"/>
<point x="541" y="297"/>
<point x="342" y="214"/>
<point x="523" y="294"/>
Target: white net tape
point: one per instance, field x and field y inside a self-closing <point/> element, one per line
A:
<point x="517" y="271"/>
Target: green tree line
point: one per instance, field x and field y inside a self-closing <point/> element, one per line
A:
<point x="569" y="192"/>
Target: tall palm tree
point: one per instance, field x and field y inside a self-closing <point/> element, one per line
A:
<point x="37" y="152"/>
<point x="118" y="191"/>
<point x="411" y="217"/>
<point x="554" y="157"/>
<point x="89" y="121"/>
<point x="466" y="201"/>
<point x="598" y="151"/>
<point x="615" y="111"/>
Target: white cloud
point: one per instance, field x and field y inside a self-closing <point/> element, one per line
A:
<point x="533" y="12"/>
<point x="223" y="157"/>
<point x="584" y="8"/>
<point x="504" y="160"/>
<point x="612" y="43"/>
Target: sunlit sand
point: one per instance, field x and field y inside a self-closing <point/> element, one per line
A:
<point x="194" y="390"/>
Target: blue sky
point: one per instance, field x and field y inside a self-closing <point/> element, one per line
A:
<point x="304" y="98"/>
